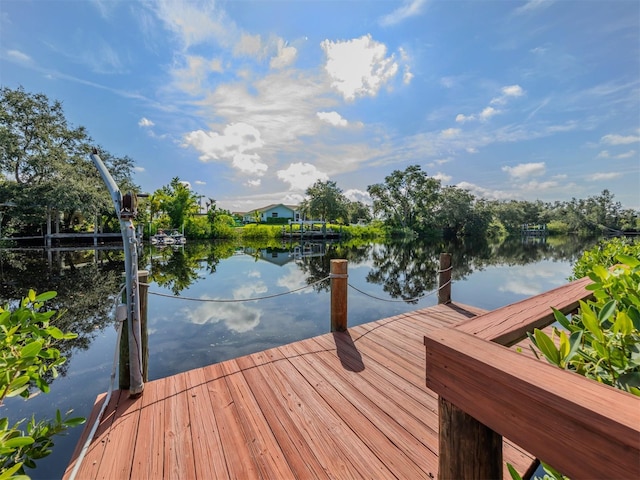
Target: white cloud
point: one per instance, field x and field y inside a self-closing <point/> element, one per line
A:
<point x="18" y="55"/>
<point x="191" y="76"/>
<point x="138" y="169"/>
<point x="532" y="6"/>
<point x="407" y="76"/>
<point x="471" y="150"/>
<point x="301" y="176"/>
<point x="286" y="55"/>
<point x="603" y="176"/>
<point x="613" y="139"/>
<point x="200" y="182"/>
<point x="524" y="170"/>
<point x="409" y="8"/>
<point x="249" y="45"/>
<point x="534" y="186"/>
<point x="253" y="183"/>
<point x="358" y="67"/>
<point x="196" y="22"/>
<point x="510" y="91"/>
<point x="487" y="113"/>
<point x="462" y="118"/>
<point x="444" y="178"/>
<point x="145" y="122"/>
<point x="482" y="192"/>
<point x="333" y="118"/>
<point x="356" y="195"/>
<point x="282" y="105"/>
<point x="450" y="132"/>
<point x="606" y="154"/>
<point x="233" y="144"/>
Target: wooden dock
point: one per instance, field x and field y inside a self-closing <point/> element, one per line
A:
<point x="341" y="405"/>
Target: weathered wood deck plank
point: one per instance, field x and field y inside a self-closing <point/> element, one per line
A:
<point x="209" y="459"/>
<point x="148" y="457"/>
<point x="342" y="405"/>
<point x="509" y="325"/>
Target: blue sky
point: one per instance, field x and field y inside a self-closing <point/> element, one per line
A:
<point x="253" y="101"/>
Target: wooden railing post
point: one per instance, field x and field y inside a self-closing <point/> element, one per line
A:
<point x="338" y="295"/>
<point x="468" y="449"/>
<point x="444" y="279"/>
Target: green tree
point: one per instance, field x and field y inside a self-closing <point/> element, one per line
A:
<point x="178" y="202"/>
<point x="407" y="199"/>
<point x="44" y="163"/>
<point x="326" y="201"/>
<point x="456" y="211"/>
<point x="358" y="212"/>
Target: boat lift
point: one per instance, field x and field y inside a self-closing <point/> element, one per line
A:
<point x="126" y="210"/>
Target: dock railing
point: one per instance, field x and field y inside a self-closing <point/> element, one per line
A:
<point x="487" y="391"/>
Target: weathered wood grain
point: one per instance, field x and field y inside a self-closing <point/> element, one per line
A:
<point x="509" y="325"/>
<point x="581" y="427"/>
<point x="348" y="404"/>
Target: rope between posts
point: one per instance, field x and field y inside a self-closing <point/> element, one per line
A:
<point x="239" y="300"/>
<point x="403" y="300"/>
<point x="330" y="276"/>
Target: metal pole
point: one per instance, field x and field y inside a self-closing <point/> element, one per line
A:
<point x="136" y="383"/>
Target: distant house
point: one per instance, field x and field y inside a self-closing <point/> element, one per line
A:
<point x="279" y="210"/>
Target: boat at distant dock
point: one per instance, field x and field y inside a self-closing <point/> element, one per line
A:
<point x="174" y="238"/>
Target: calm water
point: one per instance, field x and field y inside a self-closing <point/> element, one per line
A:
<point x="188" y="330"/>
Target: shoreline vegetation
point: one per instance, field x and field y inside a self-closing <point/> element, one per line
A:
<point x="42" y="148"/>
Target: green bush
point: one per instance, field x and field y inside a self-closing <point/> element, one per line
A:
<point x="556" y="227"/>
<point x="27" y="358"/>
<point x="254" y="230"/>
<point x="604" y="254"/>
<point x="197" y="228"/>
<point x="602" y="340"/>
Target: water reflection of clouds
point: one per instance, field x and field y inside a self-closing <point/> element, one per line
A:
<point x="294" y="278"/>
<point x="522" y="280"/>
<point x="238" y="317"/>
<point x="250" y="290"/>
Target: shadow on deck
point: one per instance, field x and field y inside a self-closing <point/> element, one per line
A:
<point x="340" y="405"/>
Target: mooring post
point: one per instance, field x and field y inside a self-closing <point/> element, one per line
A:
<point x="338" y="295"/>
<point x="444" y="279"/>
<point x="467" y="448"/>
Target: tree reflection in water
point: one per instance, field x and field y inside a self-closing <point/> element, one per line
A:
<point x="88" y="281"/>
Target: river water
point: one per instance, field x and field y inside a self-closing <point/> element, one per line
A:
<point x="202" y="306"/>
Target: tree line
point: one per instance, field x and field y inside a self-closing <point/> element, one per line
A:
<point x="45" y="170"/>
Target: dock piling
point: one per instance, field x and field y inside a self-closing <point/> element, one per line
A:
<point x="444" y="279"/>
<point x="338" y="295"/>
